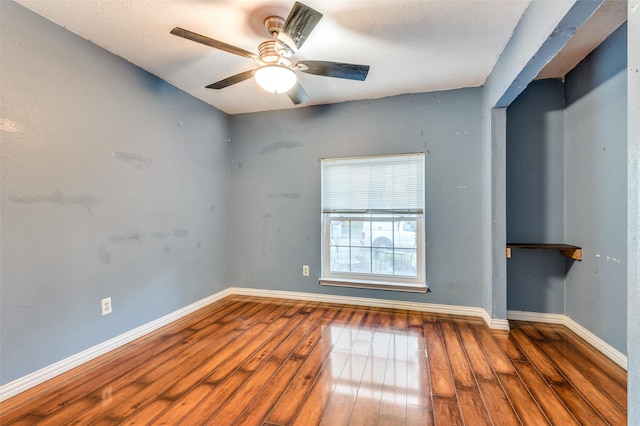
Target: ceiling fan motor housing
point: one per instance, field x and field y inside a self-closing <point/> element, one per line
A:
<point x="270" y="53"/>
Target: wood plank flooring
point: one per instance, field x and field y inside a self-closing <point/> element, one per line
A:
<point x="255" y="361"/>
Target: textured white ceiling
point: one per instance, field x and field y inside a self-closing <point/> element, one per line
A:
<point x="412" y="46"/>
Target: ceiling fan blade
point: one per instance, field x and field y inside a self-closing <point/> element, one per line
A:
<point x="190" y="35"/>
<point x="301" y="21"/>
<point x="297" y="94"/>
<point x="232" y="80"/>
<point x="335" y="69"/>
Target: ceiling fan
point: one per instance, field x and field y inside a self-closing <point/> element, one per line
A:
<point x="276" y="69"/>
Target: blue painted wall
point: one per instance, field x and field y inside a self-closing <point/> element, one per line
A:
<point x="535" y="197"/>
<point x="596" y="190"/>
<point x="275" y="188"/>
<point x="114" y="184"/>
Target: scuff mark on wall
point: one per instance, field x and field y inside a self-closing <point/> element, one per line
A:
<point x="289" y="195"/>
<point x="104" y="255"/>
<point x="138" y="162"/>
<point x="275" y="147"/>
<point x="180" y="233"/>
<point x="133" y="235"/>
<point x="612" y="259"/>
<point x="265" y="218"/>
<point x="59" y="198"/>
<point x="424" y="141"/>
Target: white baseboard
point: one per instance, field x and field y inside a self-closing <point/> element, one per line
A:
<point x="40" y="376"/>
<point x="608" y="350"/>
<point x="378" y="303"/>
<point x="495" y="323"/>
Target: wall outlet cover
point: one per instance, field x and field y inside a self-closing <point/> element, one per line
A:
<point x="106" y="306"/>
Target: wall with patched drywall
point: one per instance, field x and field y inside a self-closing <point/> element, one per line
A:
<point x="595" y="168"/>
<point x="275" y="188"/>
<point x="114" y="184"/>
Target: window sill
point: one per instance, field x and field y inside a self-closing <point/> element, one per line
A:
<point x="374" y="285"/>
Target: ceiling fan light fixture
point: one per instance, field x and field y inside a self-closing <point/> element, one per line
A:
<point x="277" y="72"/>
<point x="275" y="78"/>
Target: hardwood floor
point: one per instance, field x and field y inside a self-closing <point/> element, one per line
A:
<point x="252" y="361"/>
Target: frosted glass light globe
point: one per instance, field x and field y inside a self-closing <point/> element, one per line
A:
<point x="275" y="78"/>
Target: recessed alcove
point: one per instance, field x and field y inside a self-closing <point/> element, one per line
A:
<point x="566" y="194"/>
<point x="535" y="199"/>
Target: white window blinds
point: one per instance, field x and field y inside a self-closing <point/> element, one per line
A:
<point x="374" y="185"/>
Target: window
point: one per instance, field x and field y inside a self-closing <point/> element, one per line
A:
<point x="373" y="222"/>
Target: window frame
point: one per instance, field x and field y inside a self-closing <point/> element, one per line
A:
<point x="372" y="280"/>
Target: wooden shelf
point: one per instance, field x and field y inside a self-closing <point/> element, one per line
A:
<point x="573" y="252"/>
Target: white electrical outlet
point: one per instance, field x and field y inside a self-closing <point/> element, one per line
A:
<point x="106" y="306"/>
<point x="305" y="270"/>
